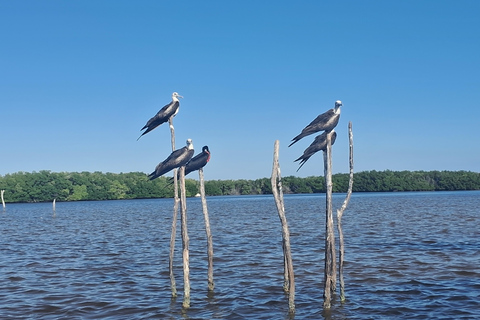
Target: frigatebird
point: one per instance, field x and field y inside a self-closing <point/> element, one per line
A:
<point x="199" y="161"/>
<point x="326" y="121"/>
<point x="196" y="163"/>
<point x="176" y="159"/>
<point x="320" y="143"/>
<point x="162" y="116"/>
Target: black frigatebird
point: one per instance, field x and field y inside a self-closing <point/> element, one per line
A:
<point x="326" y="121"/>
<point x="163" y="115"/>
<point x="196" y="163"/>
<point x="176" y="159"/>
<point x="199" y="161"/>
<point x="320" y="143"/>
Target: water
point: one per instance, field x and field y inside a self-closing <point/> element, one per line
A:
<point x="408" y="256"/>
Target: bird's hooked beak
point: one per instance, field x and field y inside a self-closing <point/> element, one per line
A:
<point x="176" y="95"/>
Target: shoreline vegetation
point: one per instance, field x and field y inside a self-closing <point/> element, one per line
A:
<point x="45" y="186"/>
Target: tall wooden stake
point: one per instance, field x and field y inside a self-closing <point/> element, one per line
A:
<point x="175" y="216"/>
<point x="289" y="277"/>
<point x="340" y="214"/>
<point x="330" y="259"/>
<point x="185" y="241"/>
<point x="211" y="284"/>
<point x="3" y="201"/>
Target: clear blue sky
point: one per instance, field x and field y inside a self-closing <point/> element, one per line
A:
<point x="78" y="79"/>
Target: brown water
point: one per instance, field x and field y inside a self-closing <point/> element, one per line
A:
<point x="408" y="256"/>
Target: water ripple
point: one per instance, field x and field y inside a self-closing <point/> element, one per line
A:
<point x="408" y="256"/>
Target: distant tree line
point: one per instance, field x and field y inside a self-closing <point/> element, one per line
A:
<point x="73" y="186"/>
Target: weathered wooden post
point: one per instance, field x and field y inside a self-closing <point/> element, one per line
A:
<point x="289" y="277"/>
<point x="340" y="214"/>
<point x="167" y="113"/>
<point x="185" y="240"/>
<point x="53" y="205"/>
<point x="330" y="259"/>
<point x="211" y="284"/>
<point x="3" y="201"/>
<point x="175" y="216"/>
<point x="326" y="121"/>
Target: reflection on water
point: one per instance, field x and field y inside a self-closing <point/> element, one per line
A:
<point x="408" y="256"/>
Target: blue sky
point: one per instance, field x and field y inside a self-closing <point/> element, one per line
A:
<point x="78" y="79"/>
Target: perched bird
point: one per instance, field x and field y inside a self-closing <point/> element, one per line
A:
<point x="176" y="159"/>
<point x="162" y="116"/>
<point x="326" y="121"/>
<point x="320" y="143"/>
<point x="199" y="161"/>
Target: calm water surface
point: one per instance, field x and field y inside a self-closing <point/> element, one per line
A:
<point x="408" y="256"/>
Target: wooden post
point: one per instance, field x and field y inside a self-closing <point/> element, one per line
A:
<point x="53" y="204"/>
<point x="175" y="216"/>
<point x="185" y="241"/>
<point x="340" y="214"/>
<point x="3" y="201"/>
<point x="173" y="235"/>
<point x="211" y="284"/>
<point x="289" y="277"/>
<point x="330" y="259"/>
<point x="172" y="132"/>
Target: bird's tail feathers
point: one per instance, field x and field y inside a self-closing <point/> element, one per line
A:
<point x="301" y="164"/>
<point x="297" y="138"/>
<point x="294" y="140"/>
<point x="152" y="176"/>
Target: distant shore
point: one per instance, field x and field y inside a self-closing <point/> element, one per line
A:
<point x="44" y="186"/>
